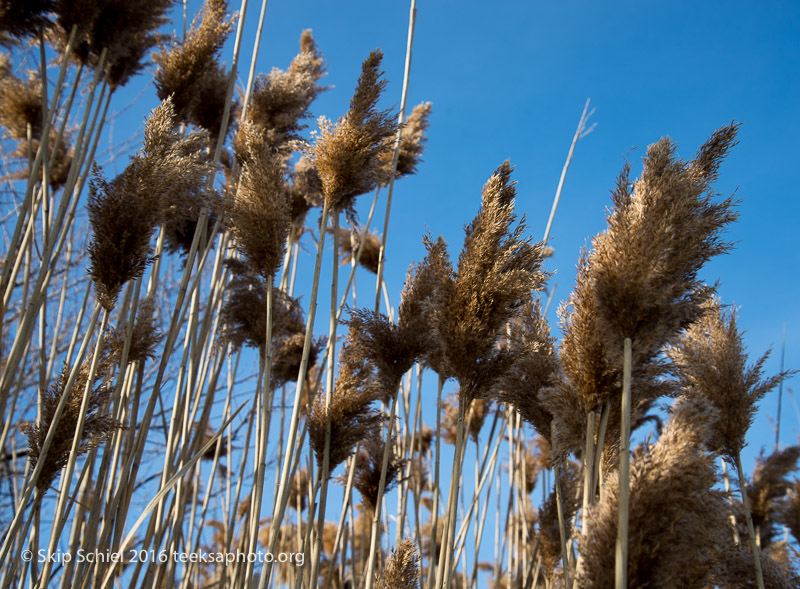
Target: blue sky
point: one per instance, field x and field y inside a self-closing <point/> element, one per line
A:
<point x="509" y="80"/>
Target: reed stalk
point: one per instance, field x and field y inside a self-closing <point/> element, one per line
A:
<point x="621" y="559"/>
<point x="749" y="519"/>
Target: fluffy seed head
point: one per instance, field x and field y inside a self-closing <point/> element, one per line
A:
<point x="497" y="271"/>
<point x="306" y="192"/>
<point x="767" y="491"/>
<point x="347" y="154"/>
<point x="367" y="476"/>
<point x="535" y="367"/>
<point x="640" y="281"/>
<point x="258" y="213"/>
<point x="243" y="321"/>
<point x="402" y="568"/>
<point x="190" y="72"/>
<point x="678" y="520"/>
<point x="711" y="363"/>
<point x="412" y="144"/>
<point x="279" y="101"/>
<point x="124" y="212"/>
<point x="145" y="335"/>
<point x="20" y="105"/>
<point x="97" y="426"/>
<point x="348" y="413"/>
<point x="349" y="240"/>
<point x="125" y="28"/>
<point x="24" y="18"/>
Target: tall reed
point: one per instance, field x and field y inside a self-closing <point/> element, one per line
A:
<point x="152" y="342"/>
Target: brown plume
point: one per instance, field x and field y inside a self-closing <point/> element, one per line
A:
<point x="124" y="212"/>
<point x="640" y="281"/>
<point x="347" y="154"/>
<point x="125" y="28"/>
<point x="711" y="363"/>
<point x="97" y="426"/>
<point x="497" y="271"/>
<point x="190" y="72"/>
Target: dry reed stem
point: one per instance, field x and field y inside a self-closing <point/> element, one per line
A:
<point x="621" y="560"/>
<point x="751" y="531"/>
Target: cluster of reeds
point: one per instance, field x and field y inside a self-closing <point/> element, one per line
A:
<point x="165" y="391"/>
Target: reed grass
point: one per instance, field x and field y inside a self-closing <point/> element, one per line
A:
<point x="152" y="343"/>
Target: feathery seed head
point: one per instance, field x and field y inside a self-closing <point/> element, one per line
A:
<point x="298" y="495"/>
<point x="243" y="321"/>
<point x="144" y="337"/>
<point x="348" y="412"/>
<point x="402" y="568"/>
<point x="535" y="367"/>
<point x="474" y="418"/>
<point x="125" y="28"/>
<point x="733" y="567"/>
<point x="790" y="510"/>
<point x="21" y="105"/>
<point x="349" y="240"/>
<point x="347" y="154"/>
<point x="190" y="72"/>
<point x="258" y="213"/>
<point x="497" y="271"/>
<point x="124" y="212"/>
<point x="678" y="521"/>
<point x="24" y="18"/>
<point x="279" y="101"/>
<point x="710" y="361"/>
<point x="306" y="192"/>
<point x="412" y="144"/>
<point x="97" y="426"/>
<point x="767" y="491"/>
<point x="369" y="464"/>
<point x="640" y="281"/>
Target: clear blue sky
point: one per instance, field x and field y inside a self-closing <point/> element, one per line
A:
<point x="508" y="80"/>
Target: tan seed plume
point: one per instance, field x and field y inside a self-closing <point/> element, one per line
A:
<point x="711" y="363"/>
<point x="402" y="568"/>
<point x="124" y="212"/>
<point x="97" y="427"/>
<point x="347" y="154"/>
<point x="190" y="72"/>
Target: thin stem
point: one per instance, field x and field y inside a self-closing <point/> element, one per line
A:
<point x="621" y="555"/>
<point x="749" y="518"/>
<point x="282" y="497"/>
<point x="376" y="519"/>
<point x="581" y="131"/>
